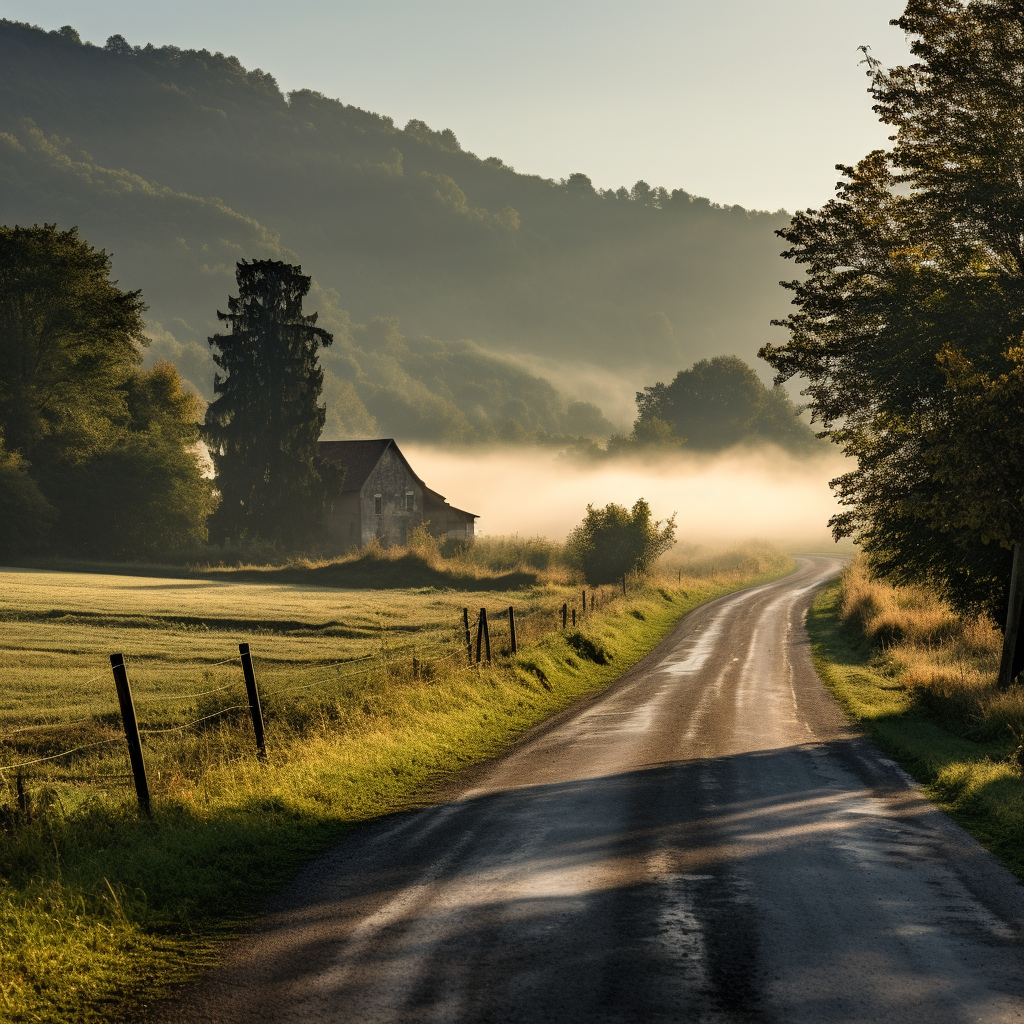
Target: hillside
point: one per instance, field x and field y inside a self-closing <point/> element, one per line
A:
<point x="181" y="162"/>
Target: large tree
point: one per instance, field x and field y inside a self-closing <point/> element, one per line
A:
<point x="718" y="403"/>
<point x="912" y="309"/>
<point x="264" y="424"/>
<point x="91" y="444"/>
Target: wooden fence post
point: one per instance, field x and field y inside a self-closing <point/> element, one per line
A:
<point x="574" y="618"/>
<point x="254" y="701"/>
<point x="469" y="639"/>
<point x="565" y="615"/>
<point x="131" y="732"/>
<point x="512" y="628"/>
<point x="584" y="600"/>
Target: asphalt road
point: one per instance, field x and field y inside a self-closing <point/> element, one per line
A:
<point x="707" y="841"/>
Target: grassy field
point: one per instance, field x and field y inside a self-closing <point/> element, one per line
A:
<point x="102" y="910"/>
<point x="921" y="680"/>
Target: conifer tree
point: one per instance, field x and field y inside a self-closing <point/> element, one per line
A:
<point x="263" y="426"/>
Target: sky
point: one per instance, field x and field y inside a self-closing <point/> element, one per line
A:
<point x="748" y="102"/>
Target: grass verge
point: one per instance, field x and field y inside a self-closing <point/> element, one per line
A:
<point x="101" y="913"/>
<point x="920" y="682"/>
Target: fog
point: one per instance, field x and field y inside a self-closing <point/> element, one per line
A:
<point x="736" y="495"/>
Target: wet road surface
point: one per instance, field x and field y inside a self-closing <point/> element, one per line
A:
<point x="707" y="841"/>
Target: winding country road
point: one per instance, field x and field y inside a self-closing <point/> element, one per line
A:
<point x="707" y="841"/>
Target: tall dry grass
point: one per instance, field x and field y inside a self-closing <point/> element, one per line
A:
<point x="948" y="661"/>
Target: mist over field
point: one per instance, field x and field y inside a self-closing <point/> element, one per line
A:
<point x="738" y="494"/>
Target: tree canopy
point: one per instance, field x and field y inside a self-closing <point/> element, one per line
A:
<point x="910" y="315"/>
<point x="98" y="457"/>
<point x="716" y="404"/>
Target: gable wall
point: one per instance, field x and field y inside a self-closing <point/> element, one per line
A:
<point x="391" y="480"/>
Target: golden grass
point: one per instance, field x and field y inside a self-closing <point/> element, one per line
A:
<point x="922" y="681"/>
<point x="948" y="662"/>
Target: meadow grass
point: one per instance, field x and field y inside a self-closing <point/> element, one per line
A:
<point x="921" y="680"/>
<point x="101" y="910"/>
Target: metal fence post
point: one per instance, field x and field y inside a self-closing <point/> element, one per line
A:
<point x="131" y="732"/>
<point x="255" y="708"/>
<point x="469" y="638"/>
<point x="512" y="628"/>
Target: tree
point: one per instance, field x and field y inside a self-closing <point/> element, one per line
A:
<point x="263" y="427"/>
<point x="70" y="340"/>
<point x="913" y="306"/>
<point x="143" y="495"/>
<point x="25" y="513"/>
<point x="718" y="403"/>
<point x="94" y="446"/>
<point x="612" y="542"/>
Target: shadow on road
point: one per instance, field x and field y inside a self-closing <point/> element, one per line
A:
<point x="644" y="896"/>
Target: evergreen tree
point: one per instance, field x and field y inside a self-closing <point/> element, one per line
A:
<point x="264" y="424"/>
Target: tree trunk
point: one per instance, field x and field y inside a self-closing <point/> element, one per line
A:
<point x="1013" y="614"/>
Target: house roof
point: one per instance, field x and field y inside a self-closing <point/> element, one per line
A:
<point x="358" y="459"/>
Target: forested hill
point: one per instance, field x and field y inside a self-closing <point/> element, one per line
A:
<point x="182" y="162"/>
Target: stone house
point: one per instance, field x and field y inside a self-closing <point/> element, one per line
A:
<point x="383" y="497"/>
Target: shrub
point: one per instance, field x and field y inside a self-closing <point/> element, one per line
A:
<point x="612" y="542"/>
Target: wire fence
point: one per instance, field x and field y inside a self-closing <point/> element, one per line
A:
<point x="473" y="642"/>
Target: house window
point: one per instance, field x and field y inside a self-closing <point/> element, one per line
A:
<point x="409" y="496"/>
<point x="378" y="504"/>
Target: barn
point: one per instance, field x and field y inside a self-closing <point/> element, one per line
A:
<point x="383" y="497"/>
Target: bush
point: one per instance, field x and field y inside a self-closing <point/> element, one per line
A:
<point x="612" y="542"/>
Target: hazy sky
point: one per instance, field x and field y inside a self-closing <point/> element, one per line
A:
<point x="744" y="101"/>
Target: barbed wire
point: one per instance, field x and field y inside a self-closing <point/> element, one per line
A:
<point x="53" y="757"/>
<point x="51" y="725"/>
<point x="156" y="698"/>
<point x="145" y="666"/>
<point x="424" y="648"/>
<point x="198" y="721"/>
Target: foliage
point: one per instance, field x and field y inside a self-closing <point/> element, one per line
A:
<point x="69" y="343"/>
<point x="25" y="513"/>
<point x="144" y="495"/>
<point x="98" y="447"/>
<point x="715" y="404"/>
<point x="129" y="143"/>
<point x="913" y="305"/>
<point x="613" y="542"/>
<point x="264" y="425"/>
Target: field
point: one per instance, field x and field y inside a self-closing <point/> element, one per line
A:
<point x="102" y="909"/>
<point x="921" y="680"/>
